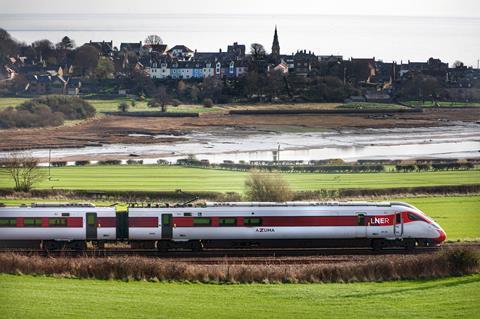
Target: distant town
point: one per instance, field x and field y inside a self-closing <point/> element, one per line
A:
<point x="236" y="74"/>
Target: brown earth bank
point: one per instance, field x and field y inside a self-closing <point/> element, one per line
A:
<point x="449" y="262"/>
<point x="116" y="129"/>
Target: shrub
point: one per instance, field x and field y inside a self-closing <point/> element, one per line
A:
<point x="110" y="162"/>
<point x="72" y="107"/>
<point x="82" y="163"/>
<point x="207" y="102"/>
<point x="163" y="162"/>
<point x="134" y="162"/>
<point x="44" y="111"/>
<point x="176" y="102"/>
<point x="462" y="261"/>
<point x="123" y="107"/>
<point x="58" y="164"/>
<point x="267" y="187"/>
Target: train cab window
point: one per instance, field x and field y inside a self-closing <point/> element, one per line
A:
<point x="398" y="218"/>
<point x="57" y="222"/>
<point x="226" y="222"/>
<point x="413" y="217"/>
<point x="8" y="222"/>
<point x="201" y="221"/>
<point x="252" y="221"/>
<point x="32" y="222"/>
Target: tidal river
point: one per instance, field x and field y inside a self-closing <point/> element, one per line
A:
<point x="459" y="141"/>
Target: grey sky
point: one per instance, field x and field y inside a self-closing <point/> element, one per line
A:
<point x="452" y="8"/>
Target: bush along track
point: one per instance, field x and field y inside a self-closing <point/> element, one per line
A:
<point x="455" y="262"/>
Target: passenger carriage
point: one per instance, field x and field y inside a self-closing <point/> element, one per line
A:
<point x="224" y="225"/>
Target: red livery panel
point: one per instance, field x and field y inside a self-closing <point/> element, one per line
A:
<point x="143" y="222"/>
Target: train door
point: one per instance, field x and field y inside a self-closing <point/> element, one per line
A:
<point x="361" y="229"/>
<point x="167" y="229"/>
<point x="398" y="225"/>
<point x="91" y="226"/>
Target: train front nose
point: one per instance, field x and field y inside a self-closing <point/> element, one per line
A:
<point x="442" y="235"/>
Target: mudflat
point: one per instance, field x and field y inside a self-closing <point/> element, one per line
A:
<point x="135" y="130"/>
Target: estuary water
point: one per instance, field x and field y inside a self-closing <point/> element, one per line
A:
<point x="388" y="38"/>
<point x="460" y="142"/>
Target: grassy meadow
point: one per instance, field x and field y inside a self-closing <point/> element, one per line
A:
<point x="111" y="105"/>
<point x="170" y="178"/>
<point x="42" y="297"/>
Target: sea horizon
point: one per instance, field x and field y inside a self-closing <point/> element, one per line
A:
<point x="387" y="38"/>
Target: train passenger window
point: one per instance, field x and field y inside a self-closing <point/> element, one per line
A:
<point x="8" y="222"/>
<point x="166" y="219"/>
<point x="361" y="219"/>
<point x="252" y="221"/>
<point x="201" y="221"/>
<point x="91" y="219"/>
<point x="413" y="217"/>
<point x="57" y="222"/>
<point x="227" y="222"/>
<point x="32" y="222"/>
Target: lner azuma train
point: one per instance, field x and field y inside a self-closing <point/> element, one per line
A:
<point x="221" y="225"/>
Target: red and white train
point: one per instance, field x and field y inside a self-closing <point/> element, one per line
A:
<point x="222" y="225"/>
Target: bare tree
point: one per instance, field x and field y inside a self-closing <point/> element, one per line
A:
<point x="23" y="170"/>
<point x="161" y="98"/>
<point x="257" y="51"/>
<point x="458" y="64"/>
<point x="267" y="187"/>
<point x="123" y="107"/>
<point x="153" y="39"/>
<point x="86" y="59"/>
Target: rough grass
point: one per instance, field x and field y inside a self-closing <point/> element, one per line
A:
<point x="40" y="297"/>
<point x="454" y="262"/>
<point x="168" y="178"/>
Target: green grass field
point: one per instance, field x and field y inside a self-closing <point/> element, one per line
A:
<point x="458" y="215"/>
<point x="442" y="103"/>
<point x="111" y="105"/>
<point x="41" y="297"/>
<point x="169" y="178"/>
<point x="371" y="106"/>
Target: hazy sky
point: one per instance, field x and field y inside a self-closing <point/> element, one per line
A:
<point x="452" y="8"/>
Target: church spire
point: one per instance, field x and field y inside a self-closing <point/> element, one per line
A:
<point x="275" y="45"/>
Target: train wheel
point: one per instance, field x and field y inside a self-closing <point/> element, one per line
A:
<point x="410" y="244"/>
<point x="50" y="245"/>
<point x="196" y="245"/>
<point x="377" y="244"/>
<point x="163" y="246"/>
<point x="77" y="245"/>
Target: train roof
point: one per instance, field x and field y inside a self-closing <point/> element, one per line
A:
<point x="297" y="204"/>
<point x="235" y="204"/>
